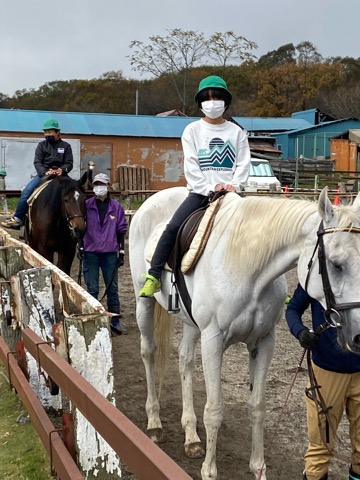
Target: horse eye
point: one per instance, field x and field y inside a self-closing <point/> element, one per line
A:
<point x="338" y="267"/>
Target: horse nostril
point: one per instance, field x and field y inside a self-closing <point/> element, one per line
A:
<point x="357" y="340"/>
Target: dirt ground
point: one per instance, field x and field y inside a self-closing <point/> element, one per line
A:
<point x="285" y="425"/>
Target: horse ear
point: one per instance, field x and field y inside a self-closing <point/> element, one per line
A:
<point x="86" y="179"/>
<point x="325" y="207"/>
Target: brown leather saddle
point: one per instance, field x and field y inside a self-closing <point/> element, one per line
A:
<point x="184" y="238"/>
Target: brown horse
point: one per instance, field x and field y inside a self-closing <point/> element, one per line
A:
<point x="56" y="219"/>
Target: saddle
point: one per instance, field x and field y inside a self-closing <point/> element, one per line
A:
<point x="191" y="240"/>
<point x="193" y="235"/>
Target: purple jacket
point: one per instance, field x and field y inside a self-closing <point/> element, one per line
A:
<point x="103" y="239"/>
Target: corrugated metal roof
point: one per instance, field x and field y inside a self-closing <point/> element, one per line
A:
<point x="71" y="123"/>
<point x="319" y="126"/>
<point x="271" y="124"/>
<point x="94" y="123"/>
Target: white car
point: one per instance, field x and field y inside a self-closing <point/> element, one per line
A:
<point x="262" y="177"/>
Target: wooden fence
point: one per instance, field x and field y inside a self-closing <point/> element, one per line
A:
<point x="133" y="178"/>
<point x="102" y="435"/>
<point x="302" y="173"/>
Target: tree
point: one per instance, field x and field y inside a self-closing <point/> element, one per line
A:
<point x="308" y="53"/>
<point x="275" y="58"/>
<point x="343" y="102"/>
<point x="223" y="47"/>
<point x="171" y="56"/>
<point x="174" y="55"/>
<point x="289" y="88"/>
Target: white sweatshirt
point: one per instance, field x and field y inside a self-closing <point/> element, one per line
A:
<point x="215" y="154"/>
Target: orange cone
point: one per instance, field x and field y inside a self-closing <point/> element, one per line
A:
<point x="337" y="199"/>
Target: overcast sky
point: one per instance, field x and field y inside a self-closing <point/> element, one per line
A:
<point x="42" y="41"/>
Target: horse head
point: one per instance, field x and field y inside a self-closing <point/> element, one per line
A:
<point x="73" y="205"/>
<point x="334" y="273"/>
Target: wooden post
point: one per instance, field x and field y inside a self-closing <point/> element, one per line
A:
<point x="90" y="353"/>
<point x="11" y="262"/>
<point x="34" y="298"/>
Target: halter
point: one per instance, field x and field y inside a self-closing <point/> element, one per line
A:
<point x="332" y="308"/>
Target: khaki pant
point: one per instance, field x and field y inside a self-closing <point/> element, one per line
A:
<point x="342" y="392"/>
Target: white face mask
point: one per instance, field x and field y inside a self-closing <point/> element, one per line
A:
<point x="213" y="108"/>
<point x="100" y="190"/>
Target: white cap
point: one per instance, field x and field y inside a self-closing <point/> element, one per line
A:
<point x="102" y="178"/>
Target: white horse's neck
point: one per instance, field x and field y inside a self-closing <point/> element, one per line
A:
<point x="265" y="232"/>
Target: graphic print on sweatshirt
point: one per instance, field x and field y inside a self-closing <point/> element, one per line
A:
<point x="219" y="156"/>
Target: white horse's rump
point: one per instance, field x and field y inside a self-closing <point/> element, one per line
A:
<point x="238" y="291"/>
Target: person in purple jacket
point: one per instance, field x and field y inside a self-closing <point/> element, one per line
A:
<point x="104" y="245"/>
<point x="338" y="373"/>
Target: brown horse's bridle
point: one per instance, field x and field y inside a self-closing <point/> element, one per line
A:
<point x="332" y="308"/>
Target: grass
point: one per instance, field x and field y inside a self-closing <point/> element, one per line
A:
<point x="22" y="455"/>
<point x="11" y="204"/>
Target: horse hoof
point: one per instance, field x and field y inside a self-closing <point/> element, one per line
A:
<point x="194" y="450"/>
<point x="156" y="435"/>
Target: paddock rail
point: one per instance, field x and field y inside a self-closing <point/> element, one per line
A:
<point x="143" y="457"/>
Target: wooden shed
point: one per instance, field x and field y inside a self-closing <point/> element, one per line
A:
<point x="345" y="150"/>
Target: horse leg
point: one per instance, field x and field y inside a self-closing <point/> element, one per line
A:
<point x="45" y="252"/>
<point x="260" y="355"/>
<point x="193" y="447"/>
<point x="64" y="261"/>
<point x="212" y="352"/>
<point x="145" y="318"/>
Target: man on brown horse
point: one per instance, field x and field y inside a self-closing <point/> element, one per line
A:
<point x="52" y="156"/>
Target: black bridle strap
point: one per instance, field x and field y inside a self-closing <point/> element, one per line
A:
<point x="70" y="217"/>
<point x="331" y="305"/>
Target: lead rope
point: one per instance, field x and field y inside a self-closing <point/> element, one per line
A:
<point x="298" y="368"/>
<point x="80" y="255"/>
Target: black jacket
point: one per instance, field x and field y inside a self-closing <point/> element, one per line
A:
<point x="53" y="154"/>
<point x="327" y="353"/>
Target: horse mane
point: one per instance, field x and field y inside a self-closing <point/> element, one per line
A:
<point x="258" y="227"/>
<point x="56" y="189"/>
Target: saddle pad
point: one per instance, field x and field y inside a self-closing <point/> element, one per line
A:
<point x="37" y="192"/>
<point x="197" y="245"/>
<point x="33" y="197"/>
<point x="200" y="239"/>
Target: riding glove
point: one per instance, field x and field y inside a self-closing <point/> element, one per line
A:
<point x="120" y="259"/>
<point x="308" y="339"/>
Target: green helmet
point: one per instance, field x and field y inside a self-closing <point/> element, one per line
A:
<point x="212" y="82"/>
<point x="51" y="124"/>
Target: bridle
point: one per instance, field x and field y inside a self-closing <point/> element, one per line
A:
<point x="79" y="241"/>
<point x="332" y="308"/>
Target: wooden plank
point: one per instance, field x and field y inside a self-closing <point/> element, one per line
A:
<point x="34" y="296"/>
<point x="90" y="354"/>
<point x="82" y="299"/>
<point x="11" y="262"/>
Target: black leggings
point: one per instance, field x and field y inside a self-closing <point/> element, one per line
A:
<point x="167" y="239"/>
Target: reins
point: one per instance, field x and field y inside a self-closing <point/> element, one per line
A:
<point x="332" y="308"/>
<point x="313" y="393"/>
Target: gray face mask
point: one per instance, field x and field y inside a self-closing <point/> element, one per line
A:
<point x="100" y="190"/>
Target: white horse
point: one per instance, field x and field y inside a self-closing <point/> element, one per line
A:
<point x="238" y="291"/>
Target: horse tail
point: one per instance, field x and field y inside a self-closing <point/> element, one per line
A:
<point x="163" y="334"/>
